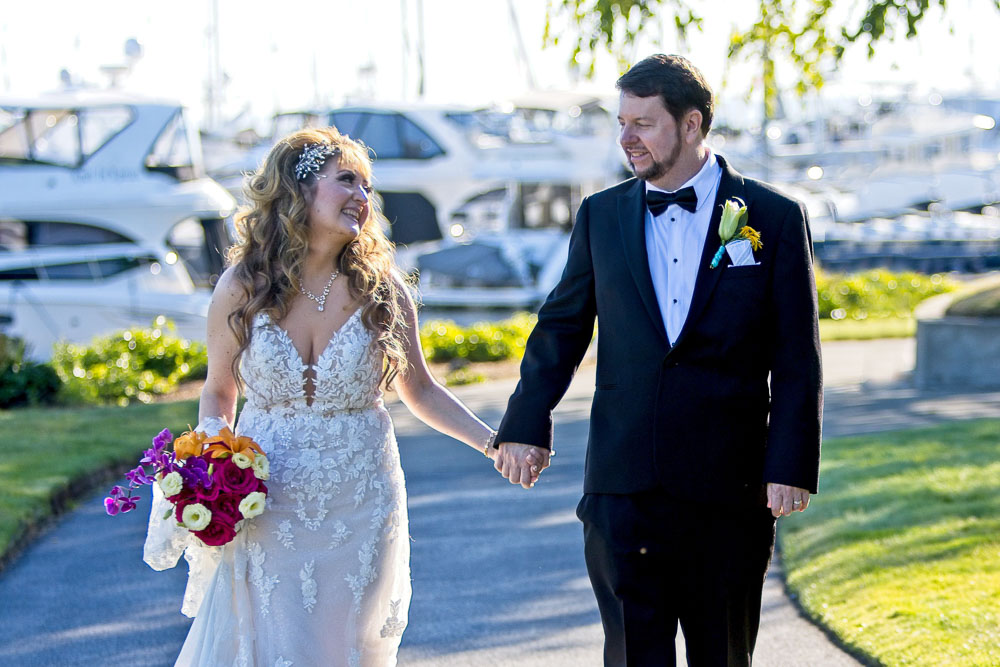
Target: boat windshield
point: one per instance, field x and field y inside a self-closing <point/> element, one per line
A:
<point x="492" y="128"/>
<point x="172" y="153"/>
<point x="64" y="137"/>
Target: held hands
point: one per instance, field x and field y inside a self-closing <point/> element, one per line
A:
<point x="783" y="500"/>
<point x="519" y="463"/>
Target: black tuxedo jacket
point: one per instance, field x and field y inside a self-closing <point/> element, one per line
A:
<point x="734" y="403"/>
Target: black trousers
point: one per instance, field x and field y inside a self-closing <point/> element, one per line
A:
<point x="655" y="561"/>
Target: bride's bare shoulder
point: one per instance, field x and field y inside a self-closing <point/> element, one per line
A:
<point x="229" y="292"/>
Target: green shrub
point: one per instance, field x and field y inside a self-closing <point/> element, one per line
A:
<point x="443" y="340"/>
<point x="131" y="365"/>
<point x="24" y="382"/>
<point x="876" y="293"/>
<point x="463" y="375"/>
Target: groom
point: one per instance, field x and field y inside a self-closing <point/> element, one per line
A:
<point x="705" y="423"/>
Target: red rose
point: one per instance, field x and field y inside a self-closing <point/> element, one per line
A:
<point x="186" y="496"/>
<point x="233" y="479"/>
<point x="179" y="506"/>
<point x="206" y="496"/>
<point x="217" y="533"/>
<point x="227" y="508"/>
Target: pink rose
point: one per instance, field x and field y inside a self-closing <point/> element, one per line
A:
<point x="218" y="533"/>
<point x="233" y="479"/>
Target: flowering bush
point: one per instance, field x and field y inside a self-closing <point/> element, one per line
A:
<point x="876" y="293"/>
<point x="132" y="365"/>
<point x="443" y="340"/>
<point x="213" y="482"/>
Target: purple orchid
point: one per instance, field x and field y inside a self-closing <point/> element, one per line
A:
<point x="162" y="439"/>
<point x="138" y="476"/>
<point x="157" y="456"/>
<point x="195" y="473"/>
<point x="120" y="500"/>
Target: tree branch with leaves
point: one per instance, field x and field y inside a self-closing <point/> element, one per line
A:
<point x="802" y="31"/>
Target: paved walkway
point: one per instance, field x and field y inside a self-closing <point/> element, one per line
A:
<point x="498" y="572"/>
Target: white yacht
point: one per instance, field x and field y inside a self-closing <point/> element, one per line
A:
<point x="455" y="172"/>
<point x="880" y="158"/>
<point x="480" y="201"/>
<point x="106" y="217"/>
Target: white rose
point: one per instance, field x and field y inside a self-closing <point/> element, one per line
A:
<point x="261" y="467"/>
<point x="253" y="504"/>
<point x="242" y="461"/>
<point x="171" y="484"/>
<point x="196" y="517"/>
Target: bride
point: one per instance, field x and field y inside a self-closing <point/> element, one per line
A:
<point x="311" y="320"/>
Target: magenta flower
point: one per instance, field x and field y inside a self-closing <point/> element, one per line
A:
<point x="217" y="533"/>
<point x="234" y="479"/>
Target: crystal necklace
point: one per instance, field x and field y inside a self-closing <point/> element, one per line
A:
<point x="321" y="299"/>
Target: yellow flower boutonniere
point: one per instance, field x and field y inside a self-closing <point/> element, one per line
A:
<point x="733" y="225"/>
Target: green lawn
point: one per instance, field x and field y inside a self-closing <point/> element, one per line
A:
<point x="44" y="452"/>
<point x="899" y="554"/>
<point x="867" y="329"/>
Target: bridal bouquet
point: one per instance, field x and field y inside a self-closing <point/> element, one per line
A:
<point x="213" y="482"/>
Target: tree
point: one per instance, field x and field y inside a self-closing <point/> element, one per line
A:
<point x="805" y="32"/>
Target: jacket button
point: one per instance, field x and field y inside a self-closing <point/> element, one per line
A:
<point x="643" y="550"/>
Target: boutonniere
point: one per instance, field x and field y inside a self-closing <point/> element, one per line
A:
<point x="733" y="226"/>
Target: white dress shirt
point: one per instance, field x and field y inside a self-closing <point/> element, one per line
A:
<point x="675" y="240"/>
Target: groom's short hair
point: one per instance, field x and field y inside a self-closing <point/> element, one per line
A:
<point x="676" y="81"/>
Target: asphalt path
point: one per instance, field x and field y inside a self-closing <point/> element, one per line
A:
<point x="498" y="572"/>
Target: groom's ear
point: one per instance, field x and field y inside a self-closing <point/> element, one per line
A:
<point x="690" y="127"/>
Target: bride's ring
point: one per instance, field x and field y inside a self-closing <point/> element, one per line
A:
<point x="796" y="502"/>
<point x="534" y="468"/>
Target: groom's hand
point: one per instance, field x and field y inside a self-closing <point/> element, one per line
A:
<point x="520" y="463"/>
<point x="783" y="500"/>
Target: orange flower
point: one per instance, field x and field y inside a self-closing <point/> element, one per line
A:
<point x="190" y="443"/>
<point x="228" y="443"/>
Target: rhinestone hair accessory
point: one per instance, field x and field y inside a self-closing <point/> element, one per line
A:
<point x="312" y="159"/>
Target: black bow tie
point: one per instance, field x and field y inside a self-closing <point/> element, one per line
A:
<point x="658" y="201"/>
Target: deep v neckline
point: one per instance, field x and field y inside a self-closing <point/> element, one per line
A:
<point x="326" y="348"/>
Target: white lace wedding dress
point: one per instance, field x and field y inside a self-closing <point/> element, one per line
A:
<point x="322" y="577"/>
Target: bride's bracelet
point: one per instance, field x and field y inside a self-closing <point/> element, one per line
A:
<point x="490" y="441"/>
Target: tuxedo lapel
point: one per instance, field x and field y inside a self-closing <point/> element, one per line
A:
<point x="632" y="220"/>
<point x="730" y="185"/>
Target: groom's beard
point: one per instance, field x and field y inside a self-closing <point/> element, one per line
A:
<point x="658" y="169"/>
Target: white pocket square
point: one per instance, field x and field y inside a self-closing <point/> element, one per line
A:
<point x="741" y="253"/>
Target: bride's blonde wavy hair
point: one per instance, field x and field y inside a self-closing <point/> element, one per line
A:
<point x="273" y="237"/>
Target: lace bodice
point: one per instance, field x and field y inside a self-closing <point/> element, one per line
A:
<point x="346" y="371"/>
